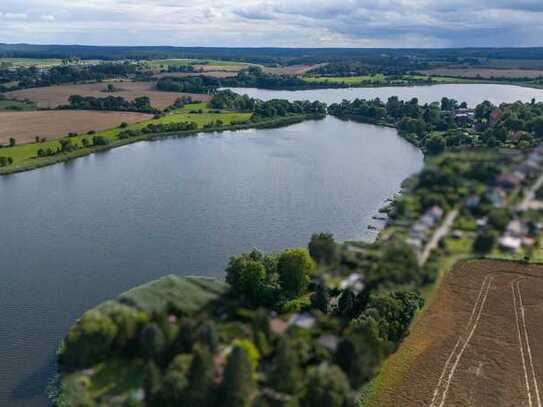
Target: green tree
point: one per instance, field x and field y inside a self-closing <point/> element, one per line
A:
<point x="286" y="375"/>
<point x="321" y="297"/>
<point x="326" y="386"/>
<point x="200" y="379"/>
<point x="152" y="342"/>
<point x="12" y="141"/>
<point x="238" y="383"/>
<point x="322" y="248"/>
<point x="484" y="242"/>
<point x="128" y="321"/>
<point x="294" y="267"/>
<point x="435" y="144"/>
<point x="89" y="340"/>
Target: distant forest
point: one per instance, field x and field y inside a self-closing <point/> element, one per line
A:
<point x="266" y="55"/>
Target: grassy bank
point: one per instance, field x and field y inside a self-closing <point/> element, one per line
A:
<point x="25" y="157"/>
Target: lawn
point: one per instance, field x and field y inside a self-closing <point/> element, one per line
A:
<point x="22" y="153"/>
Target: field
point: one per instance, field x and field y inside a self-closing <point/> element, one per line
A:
<point x="291" y="69"/>
<point x="53" y="96"/>
<point x="40" y="62"/>
<point x="24" y="153"/>
<point x="476" y="344"/>
<point x="378" y="79"/>
<point x="26" y="126"/>
<point x="15" y="105"/>
<point x="486" y="73"/>
<point x="211" y="64"/>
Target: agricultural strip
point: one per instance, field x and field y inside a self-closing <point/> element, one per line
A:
<point x="476" y="344"/>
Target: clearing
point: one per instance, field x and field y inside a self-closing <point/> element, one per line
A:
<point x="476" y="344"/>
<point x="26" y="126"/>
<point x="54" y="96"/>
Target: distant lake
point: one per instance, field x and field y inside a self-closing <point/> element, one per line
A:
<point x="78" y="233"/>
<point x="472" y="94"/>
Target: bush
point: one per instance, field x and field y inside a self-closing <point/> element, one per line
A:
<point x="100" y="141"/>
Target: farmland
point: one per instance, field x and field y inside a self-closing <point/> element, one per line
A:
<point x="54" y="96"/>
<point x="25" y="154"/>
<point x="26" y="126"/>
<point x="486" y="73"/>
<point x="379" y="79"/>
<point x="476" y="344"/>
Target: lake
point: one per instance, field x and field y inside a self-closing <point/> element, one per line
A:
<point x="472" y="94"/>
<point x="78" y="233"/>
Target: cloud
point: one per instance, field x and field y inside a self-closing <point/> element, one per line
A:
<point x="305" y="23"/>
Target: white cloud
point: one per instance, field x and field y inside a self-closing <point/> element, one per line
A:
<point x="310" y="23"/>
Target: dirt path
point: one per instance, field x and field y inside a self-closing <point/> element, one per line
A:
<point x="439" y="234"/>
<point x="477" y="345"/>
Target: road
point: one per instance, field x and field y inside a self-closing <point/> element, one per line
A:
<point x="439" y="234"/>
<point x="530" y="194"/>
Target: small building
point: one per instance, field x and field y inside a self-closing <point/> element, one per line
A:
<point x="330" y="342"/>
<point x="496" y="196"/>
<point x="303" y="320"/>
<point x="508" y="180"/>
<point x="510" y="243"/>
<point x="355" y="282"/>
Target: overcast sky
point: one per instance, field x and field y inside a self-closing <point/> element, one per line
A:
<point x="290" y="23"/>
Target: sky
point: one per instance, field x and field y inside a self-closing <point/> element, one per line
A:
<point x="277" y="23"/>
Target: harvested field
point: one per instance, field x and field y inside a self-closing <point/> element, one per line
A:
<point x="25" y="126"/>
<point x="478" y="343"/>
<point x="291" y="70"/>
<point x="486" y="73"/>
<point x="53" y="96"/>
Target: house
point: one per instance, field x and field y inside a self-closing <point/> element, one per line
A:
<point x="330" y="342"/>
<point x="355" y="282"/>
<point x="496" y="196"/>
<point x="517" y="228"/>
<point x="510" y="243"/>
<point x="495" y="117"/>
<point x="303" y="320"/>
<point x="472" y="201"/>
<point x="278" y="326"/>
<point x="508" y="180"/>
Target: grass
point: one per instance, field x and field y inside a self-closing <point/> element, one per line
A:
<point x="7" y="105"/>
<point x="187" y="295"/>
<point x="23" y="153"/>
<point x="27" y="62"/>
<point x="158" y="63"/>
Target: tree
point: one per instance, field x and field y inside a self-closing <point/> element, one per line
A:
<point x="322" y="248"/>
<point x="238" y="382"/>
<point x="12" y="141"/>
<point x="128" y="321"/>
<point x="326" y="386"/>
<point x="200" y="379"/>
<point x="152" y="342"/>
<point x="294" y="268"/>
<point x="321" y="297"/>
<point x="484" y="242"/>
<point x="89" y="340"/>
<point x="286" y="376"/>
<point x="435" y="144"/>
<point x="251" y="281"/>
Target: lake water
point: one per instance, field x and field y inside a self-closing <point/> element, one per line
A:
<point x="472" y="94"/>
<point x="78" y="233"/>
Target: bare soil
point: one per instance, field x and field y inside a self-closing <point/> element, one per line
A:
<point x="478" y="342"/>
<point x="486" y="73"/>
<point x="25" y="126"/>
<point x="54" y="96"/>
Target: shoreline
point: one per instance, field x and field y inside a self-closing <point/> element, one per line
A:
<point x="58" y="158"/>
